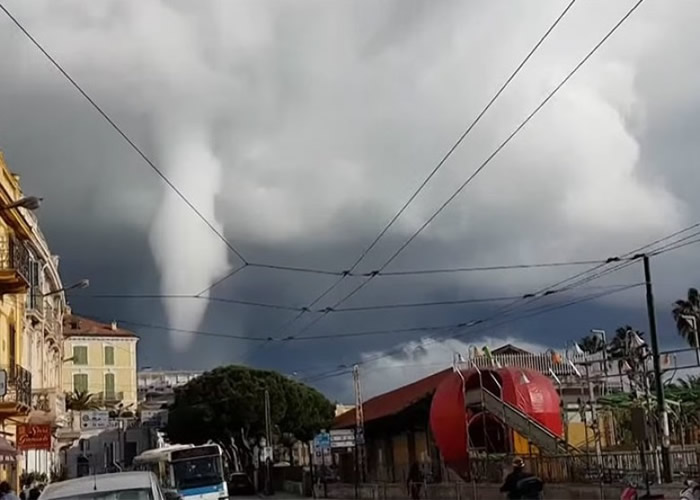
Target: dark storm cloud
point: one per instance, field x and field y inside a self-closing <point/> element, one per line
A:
<point x="300" y="129"/>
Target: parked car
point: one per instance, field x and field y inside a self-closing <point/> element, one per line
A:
<point x="240" y="484"/>
<point x="119" y="486"/>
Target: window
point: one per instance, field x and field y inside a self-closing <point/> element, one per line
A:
<point x="109" y="386"/>
<point x="34" y="288"/>
<point x="80" y="382"/>
<point x="13" y="349"/>
<point x="109" y="355"/>
<point x="80" y="355"/>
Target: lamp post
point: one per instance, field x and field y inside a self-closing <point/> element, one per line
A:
<point x="603" y="337"/>
<point x="84" y="283"/>
<point x="28" y="202"/>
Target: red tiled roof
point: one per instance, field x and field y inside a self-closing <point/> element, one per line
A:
<point x="391" y="403"/>
<point x="77" y="326"/>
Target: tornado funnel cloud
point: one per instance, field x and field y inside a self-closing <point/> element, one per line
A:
<point x="188" y="255"/>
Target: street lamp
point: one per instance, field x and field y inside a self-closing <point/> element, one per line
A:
<point x="694" y="323"/>
<point x="28" y="202"/>
<point x="84" y="283"/>
<point x="602" y="335"/>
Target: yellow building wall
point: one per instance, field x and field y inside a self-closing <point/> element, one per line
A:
<point x="124" y="367"/>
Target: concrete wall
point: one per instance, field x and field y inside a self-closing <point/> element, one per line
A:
<point x="485" y="491"/>
<point x="102" y="448"/>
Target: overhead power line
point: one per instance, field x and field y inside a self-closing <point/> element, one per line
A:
<point x="625" y="260"/>
<point x="108" y="296"/>
<point x="123" y="135"/>
<point x="488" y="160"/>
<point x="366" y="251"/>
<point x="463" y="136"/>
<point x="464" y="325"/>
<point x="433" y="340"/>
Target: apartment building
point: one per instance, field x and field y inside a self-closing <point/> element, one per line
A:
<point x="100" y="359"/>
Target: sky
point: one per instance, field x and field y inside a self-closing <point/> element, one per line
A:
<point x="299" y="129"/>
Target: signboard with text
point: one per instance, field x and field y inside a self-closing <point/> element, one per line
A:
<point x="97" y="419"/>
<point x="33" y="437"/>
<point x="343" y="438"/>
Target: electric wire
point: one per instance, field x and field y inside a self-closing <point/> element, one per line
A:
<point x="488" y="160"/>
<point x="122" y="134"/>
<point x="435" y="169"/>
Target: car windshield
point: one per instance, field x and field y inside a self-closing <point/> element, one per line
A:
<point x="135" y="494"/>
<point x="196" y="472"/>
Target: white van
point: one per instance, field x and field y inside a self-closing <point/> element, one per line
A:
<point x="120" y="486"/>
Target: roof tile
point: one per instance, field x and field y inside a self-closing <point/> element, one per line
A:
<point x="78" y="326"/>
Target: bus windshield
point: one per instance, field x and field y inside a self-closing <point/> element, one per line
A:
<point x="197" y="472"/>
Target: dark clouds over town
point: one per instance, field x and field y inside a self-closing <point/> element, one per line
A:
<point x="300" y="128"/>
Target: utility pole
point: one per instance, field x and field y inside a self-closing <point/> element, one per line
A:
<point x="594" y="416"/>
<point x="660" y="398"/>
<point x="359" y="432"/>
<point x="268" y="438"/>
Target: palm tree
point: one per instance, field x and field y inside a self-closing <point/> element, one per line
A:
<point x="81" y="401"/>
<point x="686" y="313"/>
<point x="120" y="410"/>
<point x="624" y="345"/>
<point x="592" y="344"/>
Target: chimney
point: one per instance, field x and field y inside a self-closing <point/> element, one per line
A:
<point x="114" y="326"/>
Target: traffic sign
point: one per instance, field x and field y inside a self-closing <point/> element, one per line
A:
<point x="322" y="440"/>
<point x="342" y="438"/>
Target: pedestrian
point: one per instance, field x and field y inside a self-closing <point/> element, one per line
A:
<point x="414" y="481"/>
<point x="521" y="485"/>
<point x="34" y="493"/>
<point x="6" y="492"/>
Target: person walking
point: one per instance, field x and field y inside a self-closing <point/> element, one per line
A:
<point x="6" y="492"/>
<point x="521" y="485"/>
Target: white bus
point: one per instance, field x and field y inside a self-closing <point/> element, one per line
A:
<point x="192" y="471"/>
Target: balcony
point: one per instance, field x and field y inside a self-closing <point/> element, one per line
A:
<point x="35" y="305"/>
<point x="14" y="266"/>
<point x="18" y="399"/>
<point x="50" y="405"/>
<point x="109" y="398"/>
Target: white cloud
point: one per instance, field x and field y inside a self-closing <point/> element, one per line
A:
<point x="418" y="359"/>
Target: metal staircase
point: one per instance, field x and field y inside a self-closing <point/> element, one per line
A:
<point x="536" y="433"/>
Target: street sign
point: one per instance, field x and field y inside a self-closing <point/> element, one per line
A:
<point x="322" y="440"/>
<point x="342" y="438"/>
<point x="97" y="419"/>
<point x="3" y="383"/>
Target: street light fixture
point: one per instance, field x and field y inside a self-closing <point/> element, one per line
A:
<point x="28" y="202"/>
<point x="84" y="283"/>
<point x="603" y="337"/>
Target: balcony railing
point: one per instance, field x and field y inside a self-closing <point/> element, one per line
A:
<point x="19" y="387"/>
<point x="109" y="397"/>
<point x="15" y="267"/>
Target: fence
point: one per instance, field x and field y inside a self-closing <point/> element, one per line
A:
<point x="610" y="467"/>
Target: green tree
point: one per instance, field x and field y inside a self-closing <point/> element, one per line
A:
<point x="623" y="345"/>
<point x="226" y="405"/>
<point x="592" y="344"/>
<point x="684" y="310"/>
<point x="81" y="401"/>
